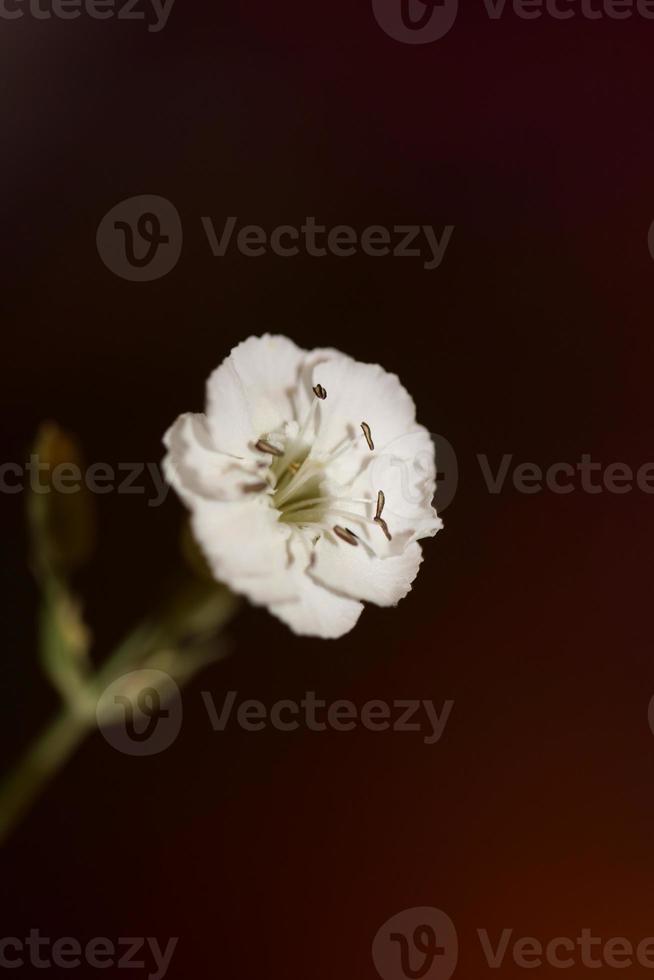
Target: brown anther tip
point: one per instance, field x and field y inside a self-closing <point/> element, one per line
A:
<point x="267" y="447"/>
<point x="345" y="534"/>
<point x="254" y="487"/>
<point x="368" y="434"/>
<point x="384" y="526"/>
<point x="381" y="500"/>
<point x="320" y="392"/>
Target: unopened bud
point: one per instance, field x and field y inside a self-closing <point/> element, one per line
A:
<point x="61" y="512"/>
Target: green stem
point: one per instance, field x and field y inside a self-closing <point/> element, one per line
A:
<point x="43" y="759"/>
<point x="201" y="610"/>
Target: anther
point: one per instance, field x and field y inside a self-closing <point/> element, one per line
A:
<point x="368" y="434"/>
<point x="320" y="392"/>
<point x="294" y="467"/>
<point x="266" y="447"/>
<point x="345" y="534"/>
<point x="384" y="526"/>
<point x="254" y="487"/>
<point x="381" y="500"/>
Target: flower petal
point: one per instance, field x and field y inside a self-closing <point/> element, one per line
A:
<point x="359" y="393"/>
<point x="254" y="391"/>
<point x="196" y="468"/>
<point x="405" y="472"/>
<point x="358" y="573"/>
<point x="317" y="611"/>
<point x="243" y="541"/>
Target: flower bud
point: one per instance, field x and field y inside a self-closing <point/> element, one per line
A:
<point x="61" y="512"/>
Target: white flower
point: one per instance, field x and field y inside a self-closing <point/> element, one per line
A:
<point x="308" y="481"/>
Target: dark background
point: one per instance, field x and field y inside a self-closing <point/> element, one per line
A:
<point x="280" y="855"/>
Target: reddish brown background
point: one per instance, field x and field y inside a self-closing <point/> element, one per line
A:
<point x="280" y="855"/>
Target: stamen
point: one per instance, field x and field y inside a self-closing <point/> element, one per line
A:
<point x="378" y="519"/>
<point x="294" y="467"/>
<point x="345" y="534"/>
<point x="320" y="392"/>
<point x="267" y="447"/>
<point x="368" y="434"/>
<point x="308" y="420"/>
<point x="384" y="526"/>
<point x="306" y="472"/>
<point x="254" y="487"/>
<point x="327" y="501"/>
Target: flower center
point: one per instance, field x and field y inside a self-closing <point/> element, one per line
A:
<point x="300" y="494"/>
<point x="300" y="487"/>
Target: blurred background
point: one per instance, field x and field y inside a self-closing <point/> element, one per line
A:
<point x="281" y="854"/>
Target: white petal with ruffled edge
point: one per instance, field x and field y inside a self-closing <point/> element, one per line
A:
<point x="361" y="393"/>
<point x="355" y="571"/>
<point x="196" y="468"/>
<point x="254" y="391"/>
<point x="316" y="610"/>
